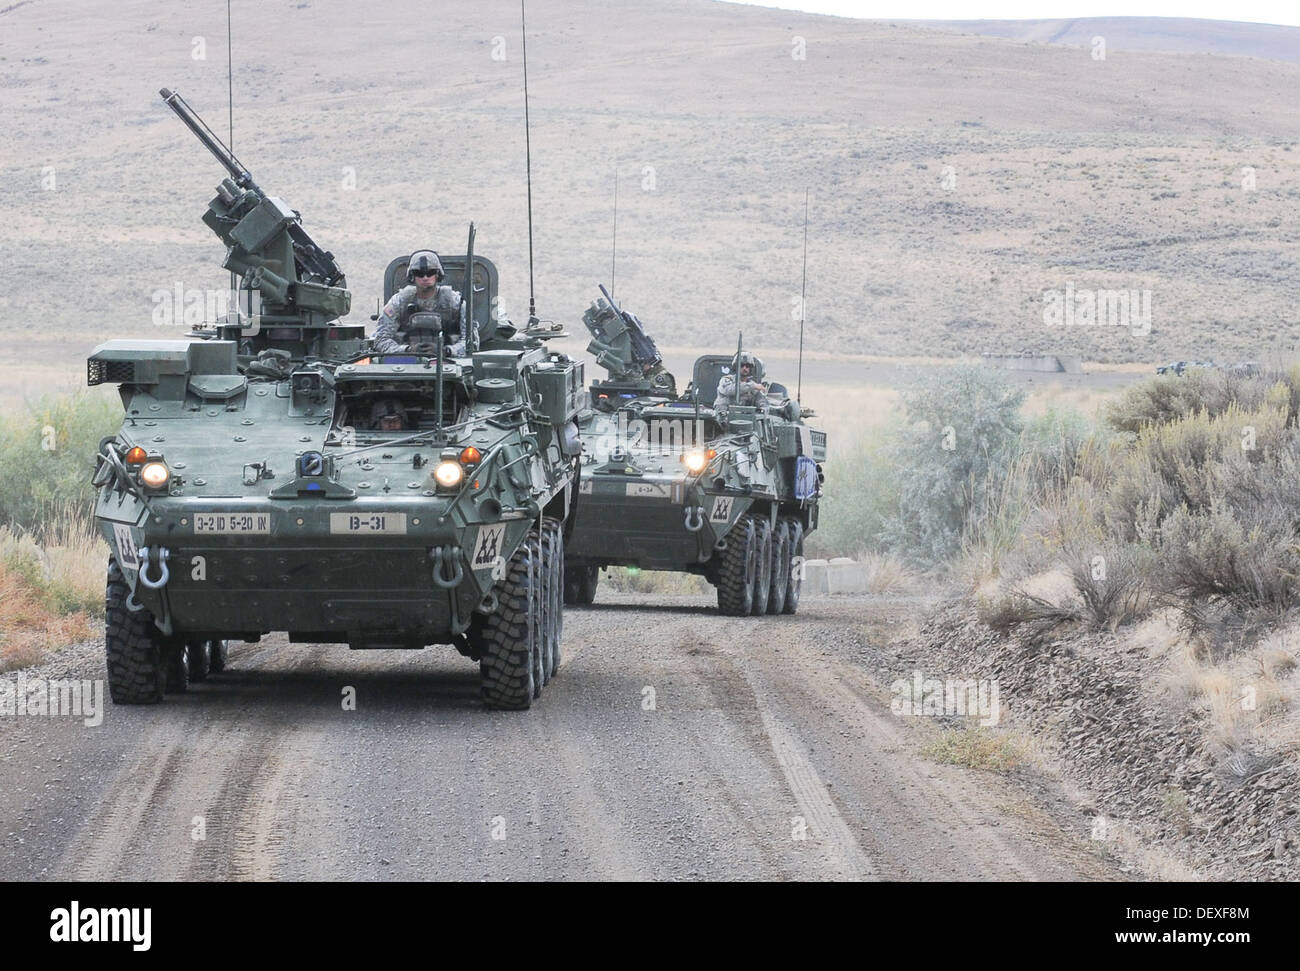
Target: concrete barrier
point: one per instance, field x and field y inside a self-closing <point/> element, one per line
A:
<point x="1050" y="363"/>
<point x="814" y="579"/>
<point x="841" y="575"/>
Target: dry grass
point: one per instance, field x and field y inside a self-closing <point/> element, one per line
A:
<point x="1247" y="701"/>
<point x="887" y="574"/>
<point x="975" y="748"/>
<point x="631" y="580"/>
<point x="50" y="595"/>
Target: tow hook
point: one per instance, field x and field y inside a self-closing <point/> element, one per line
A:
<point x="448" y="571"/>
<point x="163" y="573"/>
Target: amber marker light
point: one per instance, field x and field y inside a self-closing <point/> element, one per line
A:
<point x="136" y="456"/>
<point x="470" y="456"/>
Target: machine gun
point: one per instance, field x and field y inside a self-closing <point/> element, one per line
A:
<point x="619" y="341"/>
<point x="299" y="283"/>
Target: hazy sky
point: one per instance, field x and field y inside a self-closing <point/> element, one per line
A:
<point x="1260" y="11"/>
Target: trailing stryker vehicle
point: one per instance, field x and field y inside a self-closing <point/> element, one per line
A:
<point x="669" y="482"/>
<point x="272" y="476"/>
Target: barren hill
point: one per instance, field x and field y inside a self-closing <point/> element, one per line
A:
<point x="1185" y="35"/>
<point x="955" y="180"/>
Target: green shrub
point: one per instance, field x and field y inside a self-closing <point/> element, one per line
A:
<point x="951" y="460"/>
<point x="48" y="456"/>
<point x="861" y="497"/>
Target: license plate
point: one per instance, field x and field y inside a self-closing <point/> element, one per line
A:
<point x="253" y="523"/>
<point x="390" y="523"/>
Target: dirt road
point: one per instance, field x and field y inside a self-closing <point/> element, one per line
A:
<point x="674" y="744"/>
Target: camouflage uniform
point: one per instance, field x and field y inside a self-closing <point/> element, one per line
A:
<point x="391" y="331"/>
<point x="752" y="392"/>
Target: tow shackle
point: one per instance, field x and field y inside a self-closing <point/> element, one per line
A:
<point x="163" y="573"/>
<point x="694" y="519"/>
<point x="448" y="571"/>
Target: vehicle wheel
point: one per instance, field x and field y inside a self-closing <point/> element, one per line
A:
<point x="507" y="639"/>
<point x="546" y="576"/>
<point x="200" y="660"/>
<point x="133" y="645"/>
<point x="736" y="572"/>
<point x="762" y="564"/>
<point x="796" y="567"/>
<point x="219" y="654"/>
<point x="572" y="588"/>
<point x="780" y="567"/>
<point x="557" y="566"/>
<point x="178" y="666"/>
<point x="587" y="583"/>
<point x="580" y="584"/>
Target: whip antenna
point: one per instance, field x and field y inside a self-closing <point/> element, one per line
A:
<point x="803" y="298"/>
<point x="528" y="163"/>
<point x="613" y="256"/>
<point x="230" y="140"/>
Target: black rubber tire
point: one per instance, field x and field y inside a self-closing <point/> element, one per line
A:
<point x="580" y="585"/>
<point x="796" y="568"/>
<point x="762" y="564"/>
<point x="132" y="645"/>
<point x="179" y="666"/>
<point x="736" y="572"/>
<point x="220" y="655"/>
<point x="506" y="640"/>
<point x="780" y="567"/>
<point x="557" y="566"/>
<point x="546" y="575"/>
<point x="200" y="660"/>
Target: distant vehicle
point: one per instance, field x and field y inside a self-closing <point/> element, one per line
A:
<point x="670" y="483"/>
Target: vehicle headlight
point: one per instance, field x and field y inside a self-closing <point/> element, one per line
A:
<point x="448" y="474"/>
<point x="697" y="462"/>
<point x="155" y="475"/>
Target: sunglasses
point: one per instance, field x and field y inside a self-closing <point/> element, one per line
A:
<point x="423" y="273"/>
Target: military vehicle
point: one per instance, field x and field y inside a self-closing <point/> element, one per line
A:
<point x="270" y="476"/>
<point x="669" y="482"/>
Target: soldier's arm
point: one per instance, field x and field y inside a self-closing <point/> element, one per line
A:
<point x="726" y="389"/>
<point x="460" y="347"/>
<point x="385" y="339"/>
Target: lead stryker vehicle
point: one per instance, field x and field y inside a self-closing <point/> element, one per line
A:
<point x="269" y="476"/>
<point x="671" y="483"/>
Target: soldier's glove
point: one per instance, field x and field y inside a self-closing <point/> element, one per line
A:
<point x="426" y="348"/>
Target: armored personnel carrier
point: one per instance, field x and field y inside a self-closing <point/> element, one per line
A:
<point x="272" y="476"/>
<point x="669" y="482"/>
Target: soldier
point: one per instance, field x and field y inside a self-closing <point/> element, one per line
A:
<point x="388" y="415"/>
<point x="424" y="294"/>
<point x="753" y="392"/>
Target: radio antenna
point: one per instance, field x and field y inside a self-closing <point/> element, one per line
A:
<point x="528" y="163"/>
<point x="230" y="140"/>
<point x="803" y="298"/>
<point x="613" y="256"/>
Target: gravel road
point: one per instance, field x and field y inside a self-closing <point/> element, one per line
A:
<point x="674" y="744"/>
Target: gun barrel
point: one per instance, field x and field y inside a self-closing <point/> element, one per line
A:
<point x="204" y="134"/>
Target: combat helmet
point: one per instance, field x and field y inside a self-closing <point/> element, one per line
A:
<point x="753" y="360"/>
<point x="424" y="259"/>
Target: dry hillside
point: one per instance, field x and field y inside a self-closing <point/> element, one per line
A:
<point x="1061" y="170"/>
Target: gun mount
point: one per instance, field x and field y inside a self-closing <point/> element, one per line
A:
<point x="301" y="291"/>
<point x="622" y="347"/>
